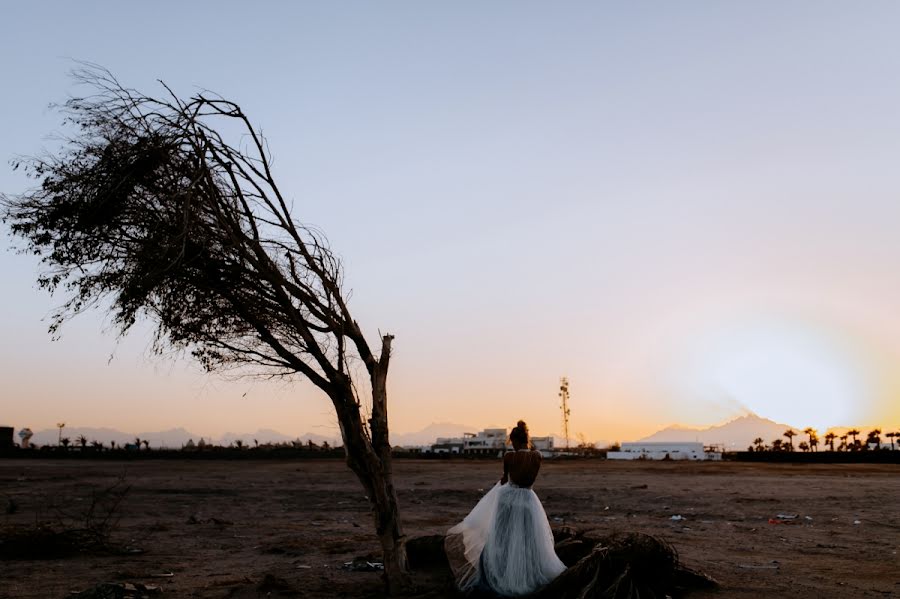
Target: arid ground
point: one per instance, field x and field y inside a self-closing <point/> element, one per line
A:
<point x="248" y="528"/>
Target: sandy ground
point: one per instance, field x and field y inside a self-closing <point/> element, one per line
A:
<point x="218" y="528"/>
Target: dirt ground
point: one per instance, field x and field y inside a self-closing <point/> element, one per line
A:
<point x="248" y="528"/>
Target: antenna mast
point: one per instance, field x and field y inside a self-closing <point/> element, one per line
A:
<point x="564" y="406"/>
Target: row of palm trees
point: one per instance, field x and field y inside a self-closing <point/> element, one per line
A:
<point x="98" y="445"/>
<point x="848" y="441"/>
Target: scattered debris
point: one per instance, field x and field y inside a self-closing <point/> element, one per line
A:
<point x="118" y="590"/>
<point x="196" y="519"/>
<point x="677" y="518"/>
<point x="363" y="564"/>
<point x="787" y="516"/>
<point x="857" y="522"/>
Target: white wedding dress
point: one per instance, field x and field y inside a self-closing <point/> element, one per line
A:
<point x="505" y="544"/>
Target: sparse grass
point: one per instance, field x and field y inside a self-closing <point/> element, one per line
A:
<point x="68" y="531"/>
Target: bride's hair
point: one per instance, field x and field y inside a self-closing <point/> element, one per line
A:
<point x="520" y="433"/>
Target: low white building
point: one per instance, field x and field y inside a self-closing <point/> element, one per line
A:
<point x="544" y="445"/>
<point x="447" y="445"/>
<point x="488" y="441"/>
<point x="664" y="450"/>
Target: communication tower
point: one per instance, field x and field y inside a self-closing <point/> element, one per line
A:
<point x="564" y="406"/>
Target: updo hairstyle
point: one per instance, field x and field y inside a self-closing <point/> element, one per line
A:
<point x="519" y="435"/>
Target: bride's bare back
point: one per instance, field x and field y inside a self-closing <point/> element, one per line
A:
<point x="521" y="467"/>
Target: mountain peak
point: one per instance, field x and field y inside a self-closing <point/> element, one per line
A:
<point x="735" y="434"/>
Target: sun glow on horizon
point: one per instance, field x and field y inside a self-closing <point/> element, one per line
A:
<point x="785" y="371"/>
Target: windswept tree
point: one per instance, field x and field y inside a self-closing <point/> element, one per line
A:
<point x="150" y="211"/>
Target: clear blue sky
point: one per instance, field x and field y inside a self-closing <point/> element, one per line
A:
<point x="689" y="209"/>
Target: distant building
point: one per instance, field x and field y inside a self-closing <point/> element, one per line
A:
<point x="449" y="445"/>
<point x="544" y="445"/>
<point x="490" y="441"/>
<point x="663" y="451"/>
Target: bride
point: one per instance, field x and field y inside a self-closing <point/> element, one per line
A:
<point x="505" y="544"/>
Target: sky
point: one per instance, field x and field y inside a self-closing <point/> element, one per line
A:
<point x="688" y="209"/>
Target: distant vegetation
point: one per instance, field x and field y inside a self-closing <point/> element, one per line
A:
<point x="849" y="442"/>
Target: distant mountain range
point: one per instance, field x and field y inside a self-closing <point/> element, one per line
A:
<point x="735" y="435"/>
<point x="176" y="437"/>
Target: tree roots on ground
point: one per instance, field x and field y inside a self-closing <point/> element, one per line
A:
<point x="622" y="566"/>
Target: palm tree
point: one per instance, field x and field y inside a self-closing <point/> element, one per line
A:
<point x="60" y="426"/>
<point x="776" y="445"/>
<point x="811" y="433"/>
<point x="874" y="437"/>
<point x="891" y="435"/>
<point x="790" y="433"/>
<point x="843" y="445"/>
<point x="82" y="440"/>
<point x="65" y="442"/>
<point x="146" y="443"/>
<point x="239" y="443"/>
<point x="829" y="440"/>
<point x="853" y="432"/>
<point x="804" y="446"/>
<point x="758" y="442"/>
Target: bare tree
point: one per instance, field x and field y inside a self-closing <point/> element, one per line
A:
<point x="148" y="211"/>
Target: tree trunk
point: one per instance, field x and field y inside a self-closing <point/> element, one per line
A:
<point x="387" y="517"/>
<point x="370" y="460"/>
<point x="387" y="526"/>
